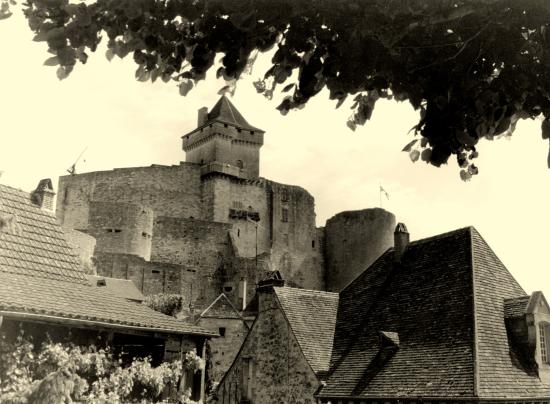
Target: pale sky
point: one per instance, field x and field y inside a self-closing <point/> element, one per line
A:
<point x="45" y="124"/>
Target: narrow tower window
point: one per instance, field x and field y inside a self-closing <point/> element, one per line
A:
<point x="240" y="164"/>
<point x="284" y="215"/>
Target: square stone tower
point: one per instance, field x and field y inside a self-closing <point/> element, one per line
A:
<point x="224" y="142"/>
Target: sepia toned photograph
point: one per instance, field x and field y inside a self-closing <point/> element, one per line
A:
<point x="274" y="201"/>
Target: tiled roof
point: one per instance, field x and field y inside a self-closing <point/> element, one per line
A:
<point x="124" y="288"/>
<point x="312" y="318"/>
<point x="515" y="307"/>
<point x="221" y="307"/>
<point x="48" y="299"/>
<point x="36" y="245"/>
<point x="41" y="278"/>
<point x="224" y="111"/>
<point x="500" y="373"/>
<point x="446" y="302"/>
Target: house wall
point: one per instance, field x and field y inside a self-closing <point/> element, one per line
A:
<point x="223" y="350"/>
<point x="279" y="371"/>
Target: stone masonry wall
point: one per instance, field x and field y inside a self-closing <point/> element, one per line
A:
<point x="149" y="277"/>
<point x="124" y="228"/>
<point x="279" y="371"/>
<point x="83" y="245"/>
<point x="296" y="253"/>
<point x="240" y="202"/>
<point x="223" y="349"/>
<point x="354" y="240"/>
<point x="196" y="244"/>
<point x="167" y="190"/>
<point x="225" y="144"/>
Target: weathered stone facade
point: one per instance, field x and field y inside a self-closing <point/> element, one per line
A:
<point x="211" y="225"/>
<point x="270" y="367"/>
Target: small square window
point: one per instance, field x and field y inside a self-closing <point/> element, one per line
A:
<point x="284" y="215"/>
<point x="221" y="331"/>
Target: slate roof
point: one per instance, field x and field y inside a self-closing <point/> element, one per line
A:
<point x="224" y="111"/>
<point x="124" y="288"/>
<point x="312" y="318"/>
<point x="41" y="278"/>
<point x="221" y="307"/>
<point x="516" y="307"/>
<point x="446" y="303"/>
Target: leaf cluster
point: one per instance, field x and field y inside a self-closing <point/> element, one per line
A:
<point x="95" y="375"/>
<point x="169" y="304"/>
<point x="472" y="68"/>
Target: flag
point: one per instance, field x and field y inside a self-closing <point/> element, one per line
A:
<point x="382" y="190"/>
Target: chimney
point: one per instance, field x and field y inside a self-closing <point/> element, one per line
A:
<point x="264" y="290"/>
<point x="203" y="116"/>
<point x="271" y="278"/>
<point x="400" y="241"/>
<point x="43" y="195"/>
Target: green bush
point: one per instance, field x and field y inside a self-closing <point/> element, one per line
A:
<point x="169" y="304"/>
<point x="59" y="372"/>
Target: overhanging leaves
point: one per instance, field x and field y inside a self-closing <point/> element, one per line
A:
<point x="472" y="68"/>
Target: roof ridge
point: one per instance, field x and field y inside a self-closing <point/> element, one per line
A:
<point x="310" y="291"/>
<point x="442" y="235"/>
<point x="221" y="296"/>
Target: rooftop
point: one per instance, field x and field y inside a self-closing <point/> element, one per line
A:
<point x="41" y="278"/>
<point x="446" y="303"/>
<point x="312" y="318"/>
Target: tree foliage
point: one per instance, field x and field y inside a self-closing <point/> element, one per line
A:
<point x="472" y="68"/>
<point x="169" y="304"/>
<point x="62" y="372"/>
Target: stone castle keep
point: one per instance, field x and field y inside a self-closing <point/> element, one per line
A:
<point x="211" y="224"/>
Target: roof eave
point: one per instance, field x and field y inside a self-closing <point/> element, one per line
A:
<point x="99" y="324"/>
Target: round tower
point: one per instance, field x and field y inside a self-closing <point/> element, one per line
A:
<point x="123" y="228"/>
<point x="354" y="240"/>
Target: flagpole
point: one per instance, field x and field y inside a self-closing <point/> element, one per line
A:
<point x="380" y="194"/>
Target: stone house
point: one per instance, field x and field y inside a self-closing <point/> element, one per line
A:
<point x="227" y="321"/>
<point x="439" y="320"/>
<point x="285" y="356"/>
<point x="44" y="291"/>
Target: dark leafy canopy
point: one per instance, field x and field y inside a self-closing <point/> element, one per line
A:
<point x="472" y="68"/>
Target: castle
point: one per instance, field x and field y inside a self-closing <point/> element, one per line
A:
<point x="211" y="224"/>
